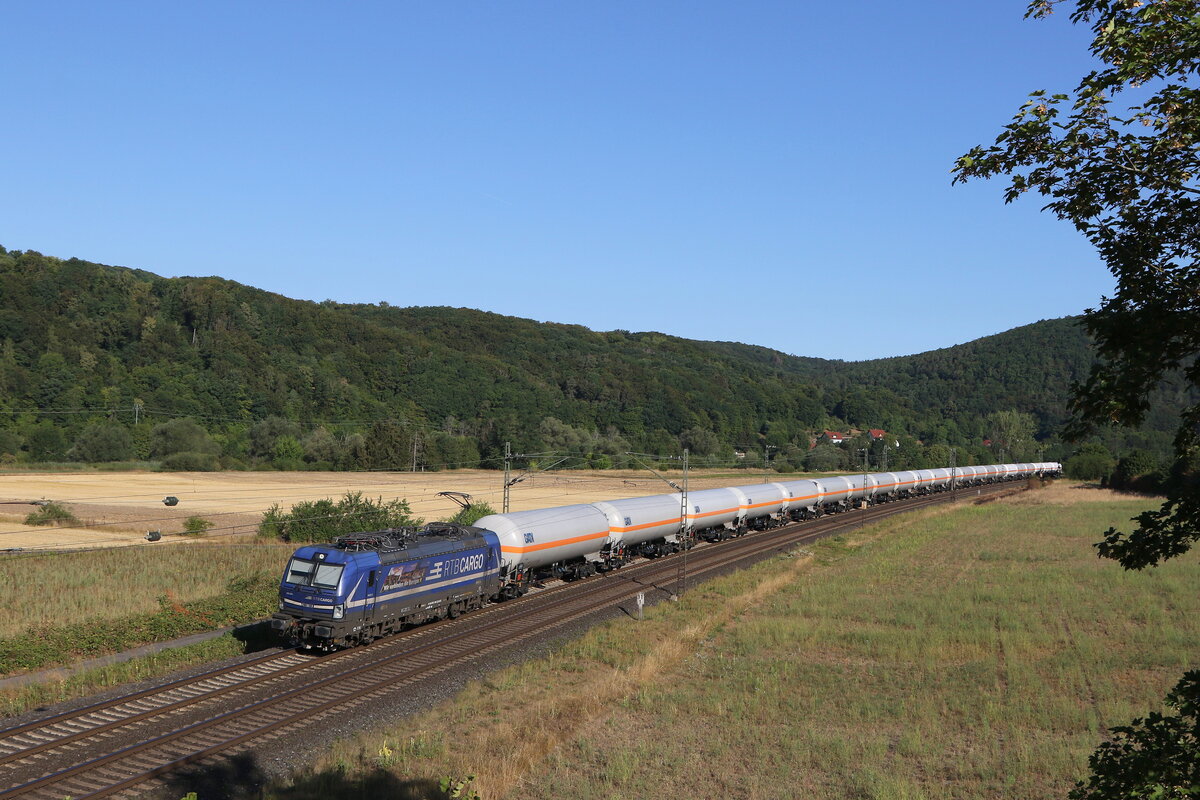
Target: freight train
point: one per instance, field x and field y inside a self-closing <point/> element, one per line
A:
<point x="367" y="585"/>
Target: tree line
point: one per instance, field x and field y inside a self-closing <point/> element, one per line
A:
<point x="105" y="363"/>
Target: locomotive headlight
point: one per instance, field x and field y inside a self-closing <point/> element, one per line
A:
<point x="339" y="611"/>
<point x="281" y="605"/>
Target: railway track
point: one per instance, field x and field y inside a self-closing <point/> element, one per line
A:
<point x="128" y="745"/>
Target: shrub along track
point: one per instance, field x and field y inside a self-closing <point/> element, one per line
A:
<point x="126" y="744"/>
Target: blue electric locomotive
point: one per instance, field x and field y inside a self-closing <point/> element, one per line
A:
<point x="368" y="585"/>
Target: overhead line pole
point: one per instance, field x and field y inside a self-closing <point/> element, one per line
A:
<point x="684" y="538"/>
<point x="865" y="451"/>
<point x="507" y="472"/>
<point x="954" y="473"/>
<point x="684" y="532"/>
<point x="509" y="482"/>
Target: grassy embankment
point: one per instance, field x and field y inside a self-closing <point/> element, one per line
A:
<point x="71" y="606"/>
<point x="976" y="652"/>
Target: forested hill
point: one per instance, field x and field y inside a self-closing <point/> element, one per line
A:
<point x="87" y="351"/>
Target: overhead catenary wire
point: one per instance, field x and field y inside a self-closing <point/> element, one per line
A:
<point x="142" y="409"/>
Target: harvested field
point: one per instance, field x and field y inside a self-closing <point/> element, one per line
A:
<point x="118" y="508"/>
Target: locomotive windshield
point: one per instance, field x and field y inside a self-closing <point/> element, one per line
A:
<point x="309" y="573"/>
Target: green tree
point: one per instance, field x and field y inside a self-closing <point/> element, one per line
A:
<point x="388" y="446"/>
<point x="287" y="453"/>
<point x="859" y="407"/>
<point x="321" y="447"/>
<point x="701" y="442"/>
<point x="825" y="458"/>
<point x="909" y="454"/>
<point x="102" y="441"/>
<point x="46" y="442"/>
<point x="55" y="379"/>
<point x="1012" y="432"/>
<point x="180" y="436"/>
<point x="10" y="443"/>
<point x="938" y="455"/>
<point x="266" y="432"/>
<point x="1129" y="180"/>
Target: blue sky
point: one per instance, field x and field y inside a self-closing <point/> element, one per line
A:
<point x="774" y="173"/>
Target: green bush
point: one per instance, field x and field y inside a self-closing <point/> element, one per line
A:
<point x="51" y="514"/>
<point x="179" y="436"/>
<point x="1140" y="471"/>
<point x="196" y="525"/>
<point x="1091" y="462"/>
<point x="323" y="520"/>
<point x="472" y="513"/>
<point x="1088" y="467"/>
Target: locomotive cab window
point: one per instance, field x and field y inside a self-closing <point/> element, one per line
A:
<point x="300" y="572"/>
<point x="306" y="573"/>
<point x="327" y="576"/>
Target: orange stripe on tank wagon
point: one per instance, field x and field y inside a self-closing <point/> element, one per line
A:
<point x="559" y="543"/>
<point x="672" y="520"/>
<point x="713" y="513"/>
<point x="768" y="503"/>
<point x="644" y="525"/>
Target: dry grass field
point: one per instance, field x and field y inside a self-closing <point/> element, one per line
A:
<point x="979" y="651"/>
<point x="111" y="584"/>
<point x="118" y="508"/>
